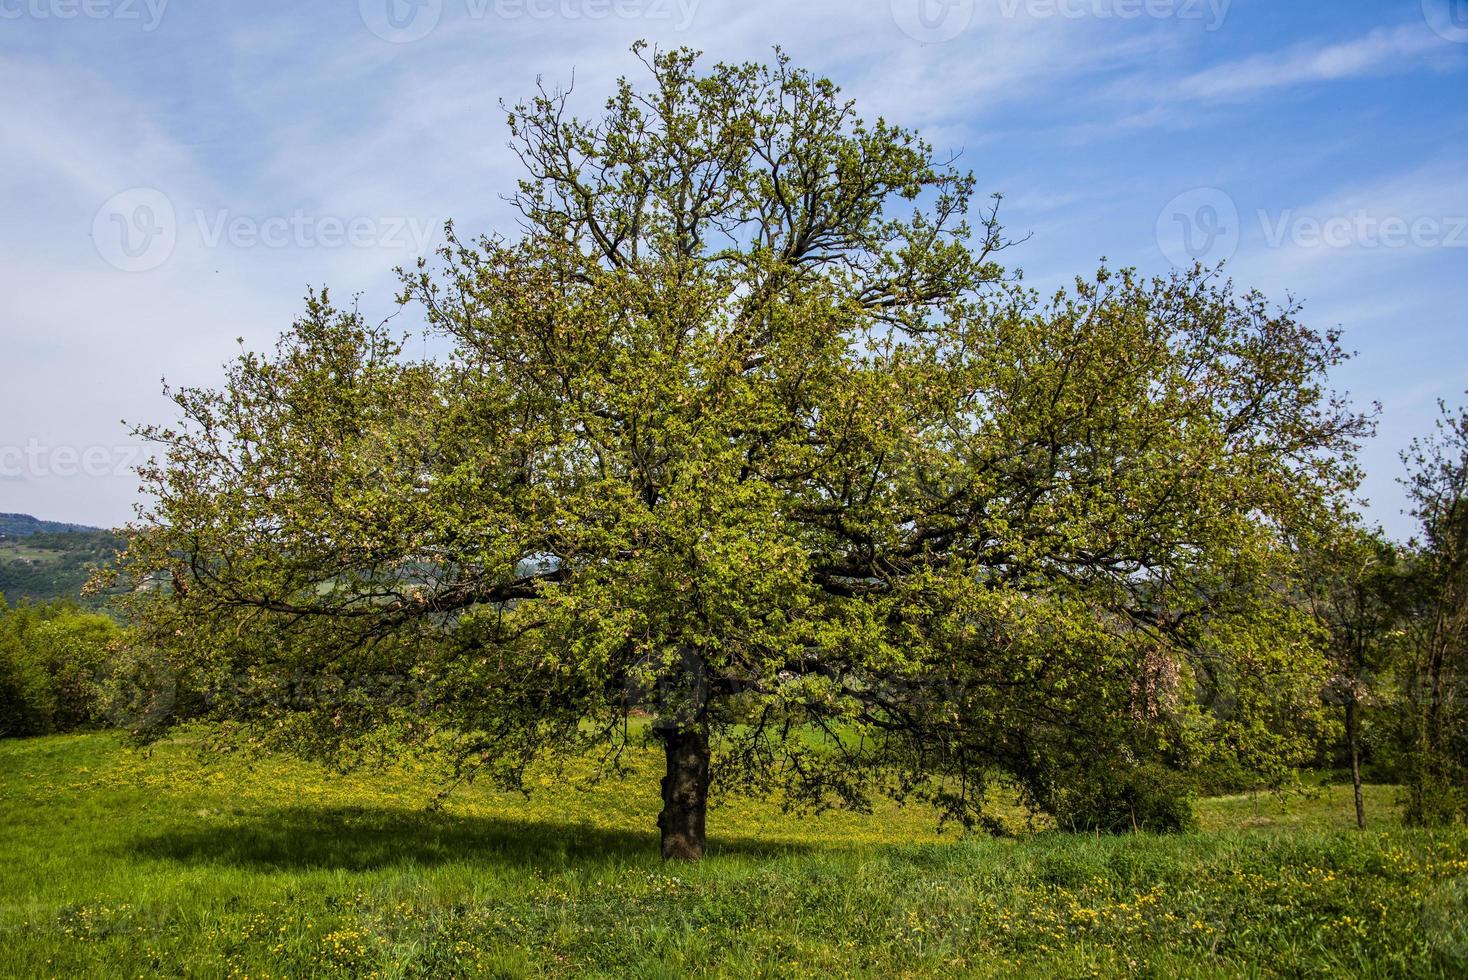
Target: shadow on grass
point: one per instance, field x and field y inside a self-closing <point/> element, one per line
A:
<point x="361" y="839"/>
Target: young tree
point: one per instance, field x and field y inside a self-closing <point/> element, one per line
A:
<point x="746" y="431"/>
<point x="1437" y="483"/>
<point x="1357" y="587"/>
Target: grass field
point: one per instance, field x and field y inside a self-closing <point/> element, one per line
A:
<point x="20" y="551"/>
<point x="116" y="863"/>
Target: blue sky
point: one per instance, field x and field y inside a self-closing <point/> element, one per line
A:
<point x="174" y="175"/>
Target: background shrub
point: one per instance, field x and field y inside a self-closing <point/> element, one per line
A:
<point x="51" y="659"/>
<point x="1131" y="798"/>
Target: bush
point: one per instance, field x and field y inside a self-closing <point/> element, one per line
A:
<point x="1434" y="794"/>
<point x="1223" y="776"/>
<point x="51" y="657"/>
<point x="1122" y="799"/>
<point x="25" y="691"/>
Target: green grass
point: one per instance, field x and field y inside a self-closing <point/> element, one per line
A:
<point x="116" y="863"/>
<point x="19" y="551"/>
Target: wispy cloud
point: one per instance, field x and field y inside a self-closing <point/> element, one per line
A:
<point x="288" y="110"/>
<point x="1383" y="50"/>
<point x="1323" y="244"/>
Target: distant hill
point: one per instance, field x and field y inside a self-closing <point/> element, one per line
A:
<point x="24" y="525"/>
<point x="44" y="560"/>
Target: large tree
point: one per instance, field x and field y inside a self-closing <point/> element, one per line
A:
<point x="746" y="432"/>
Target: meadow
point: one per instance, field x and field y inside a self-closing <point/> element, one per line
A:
<point x="119" y="862"/>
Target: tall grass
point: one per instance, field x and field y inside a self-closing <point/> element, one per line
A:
<point x="116" y="863"/>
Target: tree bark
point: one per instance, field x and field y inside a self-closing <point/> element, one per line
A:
<point x="1353" y="741"/>
<point x="685" y="792"/>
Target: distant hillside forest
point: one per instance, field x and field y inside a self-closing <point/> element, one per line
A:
<point x="44" y="560"/>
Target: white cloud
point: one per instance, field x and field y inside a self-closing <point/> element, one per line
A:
<point x="1382" y="50"/>
<point x="309" y="111"/>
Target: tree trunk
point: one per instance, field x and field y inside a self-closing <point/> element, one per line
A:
<point x="1353" y="742"/>
<point x="685" y="792"/>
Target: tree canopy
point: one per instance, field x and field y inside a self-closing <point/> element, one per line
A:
<point x="1437" y="720"/>
<point x="746" y="431"/>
